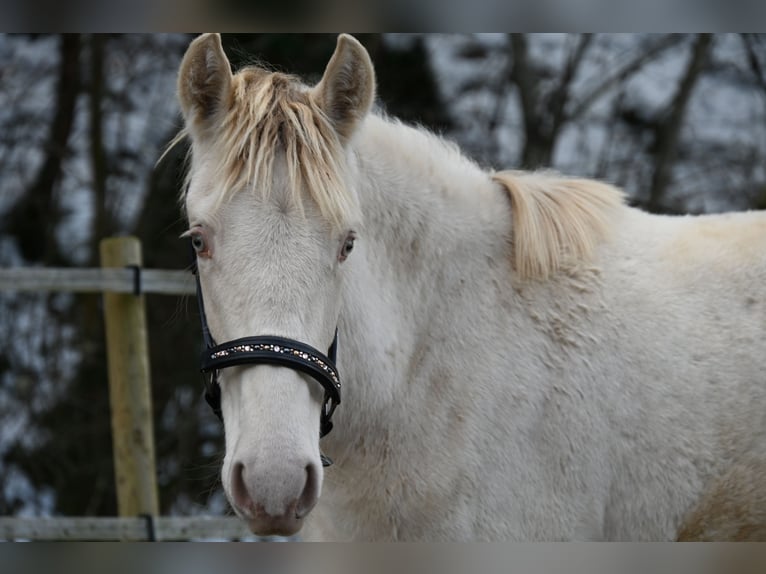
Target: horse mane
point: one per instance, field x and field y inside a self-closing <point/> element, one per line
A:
<point x="268" y="112"/>
<point x="556" y="221"/>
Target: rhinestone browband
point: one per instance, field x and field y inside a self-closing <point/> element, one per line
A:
<point x="282" y="349"/>
<point x="279" y="351"/>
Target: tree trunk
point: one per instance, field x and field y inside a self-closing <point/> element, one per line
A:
<point x="668" y="131"/>
<point x="33" y="220"/>
<point x="101" y="217"/>
<point x="538" y="146"/>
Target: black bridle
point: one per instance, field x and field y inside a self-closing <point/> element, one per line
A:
<point x="272" y="350"/>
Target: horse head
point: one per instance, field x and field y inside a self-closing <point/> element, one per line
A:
<point x="272" y="218"/>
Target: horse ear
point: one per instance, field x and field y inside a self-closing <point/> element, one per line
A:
<point x="347" y="89"/>
<point x="204" y="79"/>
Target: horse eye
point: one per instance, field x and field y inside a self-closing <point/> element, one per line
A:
<point x="199" y="243"/>
<point x="348" y="247"/>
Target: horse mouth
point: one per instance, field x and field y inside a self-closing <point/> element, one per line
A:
<point x="284" y="526"/>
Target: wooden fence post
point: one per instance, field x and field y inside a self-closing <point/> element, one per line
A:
<point x="129" y="390"/>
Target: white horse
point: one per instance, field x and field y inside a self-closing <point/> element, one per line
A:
<point x="523" y="357"/>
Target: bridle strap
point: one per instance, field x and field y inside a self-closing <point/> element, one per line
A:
<point x="268" y="349"/>
<point x="206" y="336"/>
<point x="281" y="351"/>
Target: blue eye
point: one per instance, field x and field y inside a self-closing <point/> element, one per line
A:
<point x="200" y="241"/>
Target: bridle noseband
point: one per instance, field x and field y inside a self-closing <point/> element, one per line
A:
<point x="270" y="350"/>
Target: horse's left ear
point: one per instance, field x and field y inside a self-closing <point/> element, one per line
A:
<point x="347" y="89"/>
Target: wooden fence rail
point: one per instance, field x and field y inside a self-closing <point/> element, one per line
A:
<point x="123" y="283"/>
<point x="159" y="528"/>
<point x="96" y="280"/>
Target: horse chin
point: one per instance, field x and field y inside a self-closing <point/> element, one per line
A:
<point x="269" y="526"/>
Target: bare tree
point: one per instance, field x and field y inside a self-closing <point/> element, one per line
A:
<point x="546" y="113"/>
<point x="102" y="224"/>
<point x="667" y="130"/>
<point x="32" y="221"/>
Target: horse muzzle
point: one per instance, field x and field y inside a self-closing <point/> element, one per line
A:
<point x="274" y="499"/>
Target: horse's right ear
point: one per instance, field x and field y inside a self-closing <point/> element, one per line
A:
<point x="204" y="79"/>
<point x="347" y="89"/>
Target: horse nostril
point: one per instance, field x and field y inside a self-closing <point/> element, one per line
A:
<point x="239" y="488"/>
<point x="310" y="492"/>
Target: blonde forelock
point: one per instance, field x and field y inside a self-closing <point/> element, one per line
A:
<point x="272" y="113"/>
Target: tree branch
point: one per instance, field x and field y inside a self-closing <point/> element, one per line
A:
<point x="36" y="210"/>
<point x="668" y="131"/>
<point x="627" y="70"/>
<point x="753" y="62"/>
<point x="560" y="96"/>
<point x="100" y="228"/>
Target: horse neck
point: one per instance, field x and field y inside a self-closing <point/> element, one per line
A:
<point x="430" y="217"/>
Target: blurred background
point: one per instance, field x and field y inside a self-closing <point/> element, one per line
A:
<point x="679" y="121"/>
